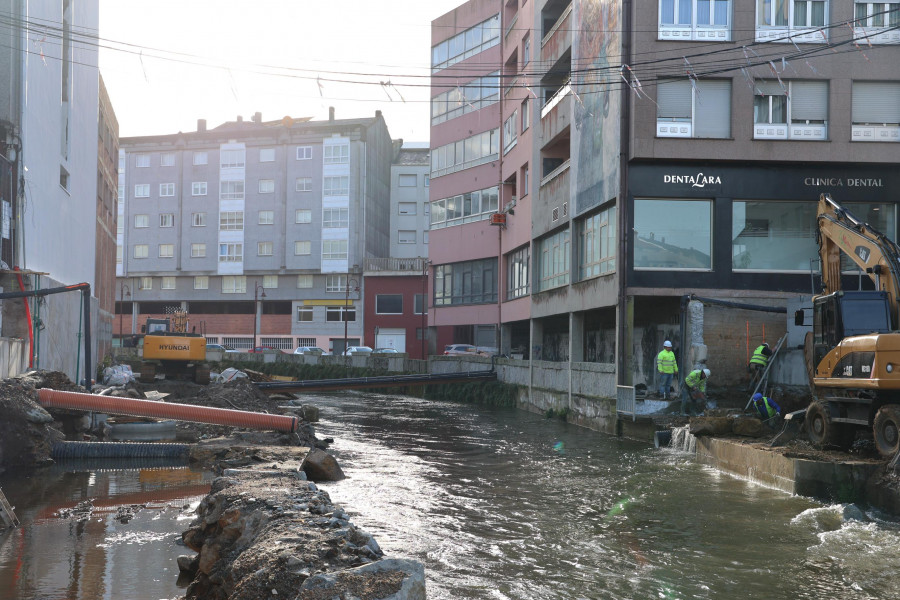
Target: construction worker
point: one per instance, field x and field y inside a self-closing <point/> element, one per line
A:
<point x="666" y="368"/>
<point x="766" y="408"/>
<point x="694" y="391"/>
<point x="760" y="358"/>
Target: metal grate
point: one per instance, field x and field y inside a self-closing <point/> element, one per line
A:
<point x="238" y="343"/>
<point x="306" y="342"/>
<point x="554" y="216"/>
<point x="625" y="401"/>
<point x="565" y="207"/>
<point x="212" y="339"/>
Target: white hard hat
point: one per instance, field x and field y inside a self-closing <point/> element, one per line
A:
<point x="667" y="344"/>
<point x="706" y="372"/>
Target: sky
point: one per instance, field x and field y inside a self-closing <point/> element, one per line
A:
<point x="167" y="63"/>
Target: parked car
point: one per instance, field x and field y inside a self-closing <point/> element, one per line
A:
<point x="486" y="351"/>
<point x="385" y="351"/>
<point x="265" y="350"/>
<point x="357" y="350"/>
<point x="309" y="350"/>
<point x="220" y="347"/>
<point x="458" y="349"/>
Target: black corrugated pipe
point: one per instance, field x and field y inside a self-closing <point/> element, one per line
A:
<point x="757" y="307"/>
<point x="65" y="450"/>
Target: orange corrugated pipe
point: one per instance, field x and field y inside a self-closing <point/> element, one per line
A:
<point x="165" y="410"/>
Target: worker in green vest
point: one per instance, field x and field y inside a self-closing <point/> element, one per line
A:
<point x="666" y="368"/>
<point x="693" y="392"/>
<point x="766" y="408"/>
<point x="760" y="358"/>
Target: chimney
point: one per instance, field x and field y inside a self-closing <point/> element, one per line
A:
<point x="201" y="124"/>
<point x="240" y="119"/>
<point x="257" y="117"/>
<point x="377" y="114"/>
<point x="331" y="113"/>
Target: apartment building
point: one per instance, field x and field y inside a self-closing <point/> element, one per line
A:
<point x="258" y="229"/>
<point x="107" y="229"/>
<point x="679" y="149"/>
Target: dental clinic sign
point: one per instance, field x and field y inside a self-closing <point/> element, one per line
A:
<point x="700" y="180"/>
<point x="860" y="182"/>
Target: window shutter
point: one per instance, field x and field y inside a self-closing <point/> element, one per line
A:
<point x="713" y="110"/>
<point x="674" y="98"/>
<point x="809" y="100"/>
<point x="876" y="102"/>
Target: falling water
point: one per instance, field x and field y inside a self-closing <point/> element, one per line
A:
<point x="683" y="440"/>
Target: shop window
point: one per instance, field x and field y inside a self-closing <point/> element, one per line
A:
<point x="673" y="234"/>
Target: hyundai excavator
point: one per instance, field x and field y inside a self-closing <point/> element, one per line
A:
<point x="171" y="350"/>
<point x="853" y="352"/>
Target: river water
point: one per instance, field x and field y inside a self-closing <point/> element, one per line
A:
<point x="499" y="503"/>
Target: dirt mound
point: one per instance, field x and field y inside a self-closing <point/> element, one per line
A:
<point x="26" y="436"/>
<point x="54" y="380"/>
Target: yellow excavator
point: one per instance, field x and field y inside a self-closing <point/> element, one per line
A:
<point x="853" y="352"/>
<point x="173" y="351"/>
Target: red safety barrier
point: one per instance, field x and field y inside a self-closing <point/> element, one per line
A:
<point x="165" y="410"/>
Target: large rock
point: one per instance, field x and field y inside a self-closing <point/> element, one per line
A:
<point x="391" y="579"/>
<point x="748" y="426"/>
<point x="321" y="466"/>
<point x="701" y="426"/>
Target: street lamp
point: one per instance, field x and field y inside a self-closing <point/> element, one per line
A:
<point x="346" y="305"/>
<point x="124" y="291"/>
<point x="257" y="298"/>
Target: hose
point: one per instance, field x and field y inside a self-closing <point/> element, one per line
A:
<point x="67" y="450"/>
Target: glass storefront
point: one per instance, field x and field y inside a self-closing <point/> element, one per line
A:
<point x="673" y="234"/>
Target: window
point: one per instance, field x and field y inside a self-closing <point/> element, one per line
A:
<point x="526" y="50"/>
<point x="231" y="221"/>
<point x="142" y="160"/>
<point x="266" y="217"/>
<point x="509" y="132"/>
<point x="794" y="110"/>
<point x="465" y="208"/>
<point x="264" y="248"/>
<point x="340" y="313"/>
<point x="334" y="249"/>
<point x="553" y="252"/>
<point x="698" y="20"/>
<point x="428" y="181"/>
<point x="408" y="181"/>
<point x="478" y="149"/>
<point x="267" y="155"/>
<point x="231" y="190"/>
<point x="142" y="190"/>
<point x="698" y="111"/>
<point x="145" y="283"/>
<point x="773" y="236"/>
<point x="876" y="111"/>
<point x="336" y="186"/>
<point x="231" y="252"/>
<point x="526" y="114"/>
<point x="303" y="184"/>
<point x="232" y="158"/>
<point x="336" y="283"/>
<point x="337" y="154"/>
<point x="302" y="247"/>
<point x="597" y="244"/>
<point x="471" y="282"/>
<point x="518" y="283"/>
<point x="234" y="284"/>
<point x="877" y="22"/>
<point x="419" y="304"/>
<point x="389" y="304"/>
<point x="166" y="189"/>
<point x="201" y="158"/>
<point x="167" y="283"/>
<point x="790" y="21"/>
<point x="335" y="217"/>
<point x="406" y="208"/>
<point x="526" y="180"/>
<point x="266" y="186"/>
<point x="201" y="282"/>
<point x="198" y="250"/>
<point x="167" y="220"/>
<point x="270" y="282"/>
<point x="424" y="237"/>
<point x="141" y="221"/>
<point x="304" y="281"/>
<point x="167" y="159"/>
<point x="198" y="219"/>
<point x="141" y="251"/>
<point x="406" y="236"/>
<point x="468" y="43"/>
<point x="63" y="178"/>
<point x="303" y="215"/>
<point x="198" y="188"/>
<point x="304" y="152"/>
<point x="673" y="234"/>
<point x="304" y="314"/>
<point x="475" y="95"/>
<point x="119" y="255"/>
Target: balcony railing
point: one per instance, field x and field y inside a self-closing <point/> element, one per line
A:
<point x="556" y="99"/>
<point x="414" y="265"/>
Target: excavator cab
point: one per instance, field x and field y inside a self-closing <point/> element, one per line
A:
<point x="845" y="314"/>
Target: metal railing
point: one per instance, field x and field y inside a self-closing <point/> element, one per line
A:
<point x="395" y="264"/>
<point x="626" y="400"/>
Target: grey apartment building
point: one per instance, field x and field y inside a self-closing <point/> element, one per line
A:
<point x="254" y="228"/>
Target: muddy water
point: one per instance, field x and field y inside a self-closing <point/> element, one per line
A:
<point x="503" y="504"/>
<point x="99" y="557"/>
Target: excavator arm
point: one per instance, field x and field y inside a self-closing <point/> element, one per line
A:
<point x="876" y="255"/>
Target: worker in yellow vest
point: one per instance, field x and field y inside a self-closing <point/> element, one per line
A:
<point x="693" y="392"/>
<point x="760" y="358"/>
<point x="667" y="368"/>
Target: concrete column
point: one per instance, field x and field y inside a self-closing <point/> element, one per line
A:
<point x="537" y="339"/>
<point x="505" y="338"/>
<point x="625" y="346"/>
<point x="576" y="337"/>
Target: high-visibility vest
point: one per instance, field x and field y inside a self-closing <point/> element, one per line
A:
<point x="665" y="362"/>
<point x="759" y="358"/>
<point x="695" y="380"/>
<point x="767" y="408"/>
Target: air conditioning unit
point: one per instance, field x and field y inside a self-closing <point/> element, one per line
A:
<point x="498" y="219"/>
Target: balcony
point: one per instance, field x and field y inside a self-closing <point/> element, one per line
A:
<point x="787" y="35"/>
<point x="556" y="114"/>
<point x="877" y="35"/>
<point x="405" y="265"/>
<point x="555" y="187"/>
<point x="876" y="133"/>
<point x="558" y="39"/>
